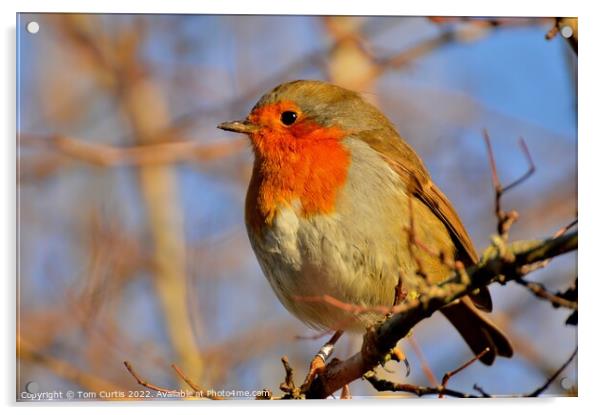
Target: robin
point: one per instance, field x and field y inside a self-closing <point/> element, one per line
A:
<point x="334" y="195"/>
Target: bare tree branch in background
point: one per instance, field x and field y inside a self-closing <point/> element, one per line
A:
<point x="63" y="368"/>
<point x="114" y="60"/>
<point x="161" y="153"/>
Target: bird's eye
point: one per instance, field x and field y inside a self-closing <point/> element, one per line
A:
<point x="288" y="117"/>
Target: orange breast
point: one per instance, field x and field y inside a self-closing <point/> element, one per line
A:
<point x="304" y="162"/>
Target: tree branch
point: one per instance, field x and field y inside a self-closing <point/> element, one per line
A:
<point x="383" y="385"/>
<point x="540" y="389"/>
<point x="103" y="155"/>
<point x="540" y="291"/>
<point x="500" y="263"/>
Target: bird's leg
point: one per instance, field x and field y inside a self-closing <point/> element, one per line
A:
<point x="318" y="363"/>
<point x="397" y="354"/>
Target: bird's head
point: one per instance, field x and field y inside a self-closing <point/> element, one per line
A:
<point x="302" y="115"/>
<point x="298" y="132"/>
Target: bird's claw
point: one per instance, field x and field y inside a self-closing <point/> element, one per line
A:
<point x="397" y="355"/>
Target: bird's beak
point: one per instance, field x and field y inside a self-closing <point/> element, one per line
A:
<point x="244" y="127"/>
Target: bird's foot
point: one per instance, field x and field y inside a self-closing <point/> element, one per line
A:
<point x="318" y="363"/>
<point x="316" y="367"/>
<point x="397" y="355"/>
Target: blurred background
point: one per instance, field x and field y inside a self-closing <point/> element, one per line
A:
<point x="131" y="237"/>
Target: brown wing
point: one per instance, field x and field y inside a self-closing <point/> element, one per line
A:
<point x="434" y="198"/>
<point x="404" y="160"/>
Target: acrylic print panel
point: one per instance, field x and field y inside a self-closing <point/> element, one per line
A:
<point x="136" y="244"/>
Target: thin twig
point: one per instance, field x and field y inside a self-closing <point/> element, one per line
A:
<point x="565" y="229"/>
<point x="190" y="383"/>
<point x="481" y="391"/>
<point x="530" y="171"/>
<point x="147" y="384"/>
<point x="345" y="393"/>
<point x="560" y="23"/>
<point x="200" y="391"/>
<point x="552" y="378"/>
<point x="349" y="307"/>
<point x="506" y="219"/>
<point x="533" y="267"/>
<point x="540" y="291"/>
<point x="288" y="386"/>
<point x="383" y="385"/>
<point x="551" y="34"/>
<point x="454" y="372"/>
<point x="539" y="390"/>
<point x="288" y="378"/>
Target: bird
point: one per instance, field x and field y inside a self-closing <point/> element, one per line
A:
<point x="335" y="199"/>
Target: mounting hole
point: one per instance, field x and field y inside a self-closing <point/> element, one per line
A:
<point x="33" y="27"/>
<point x="32" y="387"/>
<point x="566" y="31"/>
<point x="566" y="384"/>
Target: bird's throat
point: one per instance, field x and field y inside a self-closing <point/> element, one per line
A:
<point x="305" y="171"/>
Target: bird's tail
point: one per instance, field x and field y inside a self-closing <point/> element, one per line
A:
<point x="478" y="331"/>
